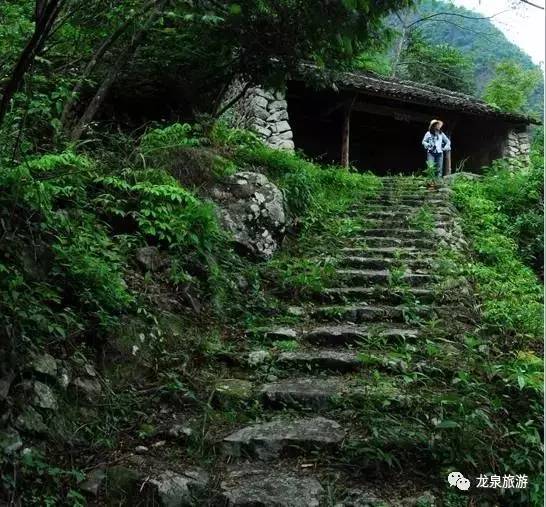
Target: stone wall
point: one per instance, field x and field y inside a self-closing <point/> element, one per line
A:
<point x="517" y="144"/>
<point x="264" y="112"/>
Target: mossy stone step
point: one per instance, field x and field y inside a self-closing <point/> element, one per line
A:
<point x="356" y="277"/>
<point x="271" y="440"/>
<point x="321" y="359"/>
<point x="364" y="262"/>
<point x="391" y="241"/>
<point x="308" y="392"/>
<point x="359" y="313"/>
<point x="392" y="295"/>
<point x="350" y="334"/>
<point x="396" y="232"/>
<point x="389" y="251"/>
<point x="255" y="486"/>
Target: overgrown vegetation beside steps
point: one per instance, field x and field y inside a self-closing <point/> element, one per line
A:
<point x="72" y="286"/>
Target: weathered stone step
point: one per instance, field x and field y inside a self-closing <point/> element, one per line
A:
<point x="254" y="486"/>
<point x="392" y="200"/>
<point x="349" y="334"/>
<point x="366" y="277"/>
<point x="397" y="232"/>
<point x="271" y="440"/>
<point x="402" y="215"/>
<point x="384" y="262"/>
<point x="359" y="313"/>
<point x="387" y="294"/>
<point x="321" y="359"/>
<point x="308" y="392"/>
<point x="389" y="252"/>
<point x="381" y="241"/>
<point x="444" y="207"/>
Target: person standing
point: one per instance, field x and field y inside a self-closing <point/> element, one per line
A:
<point x="435" y="143"/>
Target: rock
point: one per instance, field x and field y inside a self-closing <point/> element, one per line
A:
<point x="178" y="431"/>
<point x="261" y="113"/>
<point x="262" y="131"/>
<point x="316" y="393"/>
<point x="267" y="441"/>
<point x="44" y="364"/>
<point x="94" y="481"/>
<point x="141" y="449"/>
<point x="281" y="333"/>
<point x="31" y="421"/>
<point x="267" y="488"/>
<point x="257" y="357"/>
<point x="251" y="208"/>
<point x="321" y="359"/>
<point x="277" y="105"/>
<point x="286" y="135"/>
<point x="87" y="389"/>
<point x="121" y="484"/>
<point x="232" y="391"/>
<point x="5" y="384"/>
<point x="151" y="259"/>
<point x="261" y="102"/>
<point x="179" y="489"/>
<point x="296" y="311"/>
<point x="278" y="116"/>
<point x="43" y="396"/>
<point x="10" y="441"/>
<point x="359" y="498"/>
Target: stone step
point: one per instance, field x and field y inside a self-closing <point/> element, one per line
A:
<point x="402" y="215"/>
<point x="394" y="200"/>
<point x="439" y="208"/>
<point x="397" y="232"/>
<point x="349" y="334"/>
<point x="321" y="359"/>
<point x="389" y="252"/>
<point x="378" y="262"/>
<point x="254" y="486"/>
<point x="365" y="277"/>
<point x="271" y="440"/>
<point x="309" y="392"/>
<point x="382" y="241"/>
<point x="407" y="224"/>
<point x="385" y="294"/>
<point x="359" y="313"/>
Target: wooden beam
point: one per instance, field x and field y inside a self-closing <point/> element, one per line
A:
<point x="396" y="113"/>
<point x="346" y="133"/>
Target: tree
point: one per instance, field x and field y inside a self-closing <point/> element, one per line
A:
<point x="437" y="64"/>
<point x="511" y="87"/>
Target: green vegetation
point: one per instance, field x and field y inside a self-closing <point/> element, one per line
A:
<point x="509" y="90"/>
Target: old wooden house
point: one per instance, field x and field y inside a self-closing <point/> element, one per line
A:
<point x="376" y="123"/>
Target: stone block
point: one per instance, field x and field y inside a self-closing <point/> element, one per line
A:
<point x="278" y="116"/>
<point x="277" y="105"/>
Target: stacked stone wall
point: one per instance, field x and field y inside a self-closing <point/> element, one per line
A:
<point x="265" y="113"/>
<point x="517" y="144"/>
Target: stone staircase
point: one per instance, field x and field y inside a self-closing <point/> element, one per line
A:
<point x="390" y="285"/>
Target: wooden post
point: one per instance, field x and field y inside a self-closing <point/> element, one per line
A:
<point x="346" y="133"/>
<point x="447" y="163"/>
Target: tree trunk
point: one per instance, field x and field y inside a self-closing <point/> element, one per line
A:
<point x="113" y="73"/>
<point x="67" y="114"/>
<point x="46" y="14"/>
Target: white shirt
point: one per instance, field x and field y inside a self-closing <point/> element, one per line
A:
<point x="436" y="143"/>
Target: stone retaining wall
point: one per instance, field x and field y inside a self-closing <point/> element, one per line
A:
<point x="264" y="112"/>
<point x="517" y="144"/>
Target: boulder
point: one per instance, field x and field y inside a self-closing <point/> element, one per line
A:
<point x="87" y="389"/>
<point x="44" y="364"/>
<point x="263" y="488"/>
<point x="151" y="258"/>
<point x="170" y="489"/>
<point x="94" y="481"/>
<point x="43" y="396"/>
<point x="233" y="391"/>
<point x="10" y="441"/>
<point x="30" y="421"/>
<point x="251" y="208"/>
